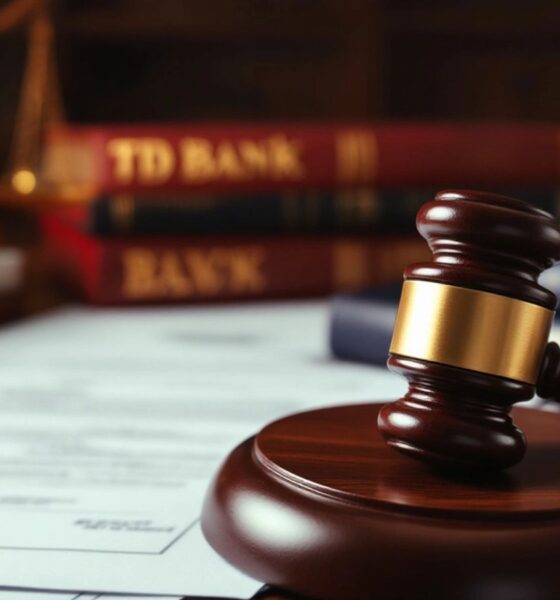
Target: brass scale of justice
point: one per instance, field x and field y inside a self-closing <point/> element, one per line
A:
<point x="327" y="504"/>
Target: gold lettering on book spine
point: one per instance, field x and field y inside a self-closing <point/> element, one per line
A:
<point x="153" y="161"/>
<point x="356" y="156"/>
<point x="192" y="273"/>
<point x="275" y="157"/>
<point x="150" y="161"/>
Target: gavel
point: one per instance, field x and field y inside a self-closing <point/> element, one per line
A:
<point x="471" y="333"/>
<point x="318" y="504"/>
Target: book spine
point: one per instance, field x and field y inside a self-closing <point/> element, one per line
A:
<point x="251" y="157"/>
<point x="360" y="328"/>
<point x="351" y="211"/>
<point x="344" y="211"/>
<point x="171" y="270"/>
<point x="243" y="157"/>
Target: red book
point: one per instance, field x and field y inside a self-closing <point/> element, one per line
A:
<point x="283" y="155"/>
<point x="167" y="269"/>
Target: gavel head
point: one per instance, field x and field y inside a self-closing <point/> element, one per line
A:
<point x="472" y="329"/>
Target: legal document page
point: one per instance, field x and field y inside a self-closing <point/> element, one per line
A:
<point x="114" y="421"/>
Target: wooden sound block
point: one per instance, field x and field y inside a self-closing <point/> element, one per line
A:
<point x="317" y="504"/>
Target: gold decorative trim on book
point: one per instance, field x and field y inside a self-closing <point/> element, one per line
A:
<point x="122" y="211"/>
<point x="356" y="156"/>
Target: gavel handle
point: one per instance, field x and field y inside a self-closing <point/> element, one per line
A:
<point x="548" y="384"/>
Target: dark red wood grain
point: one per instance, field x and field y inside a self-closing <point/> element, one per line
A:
<point x="339" y="452"/>
<point x="317" y="504"/>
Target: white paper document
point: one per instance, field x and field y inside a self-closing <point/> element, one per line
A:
<point x="42" y="595"/>
<point x="113" y="422"/>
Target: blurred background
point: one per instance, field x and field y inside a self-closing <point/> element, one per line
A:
<point x="317" y="127"/>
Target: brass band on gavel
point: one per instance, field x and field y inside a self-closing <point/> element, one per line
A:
<point x="471" y="329"/>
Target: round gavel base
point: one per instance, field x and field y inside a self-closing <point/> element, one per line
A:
<point x="317" y="504"/>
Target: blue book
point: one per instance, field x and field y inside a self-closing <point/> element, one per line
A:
<point x="361" y="325"/>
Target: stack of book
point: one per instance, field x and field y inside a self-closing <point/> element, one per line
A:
<point x="228" y="211"/>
